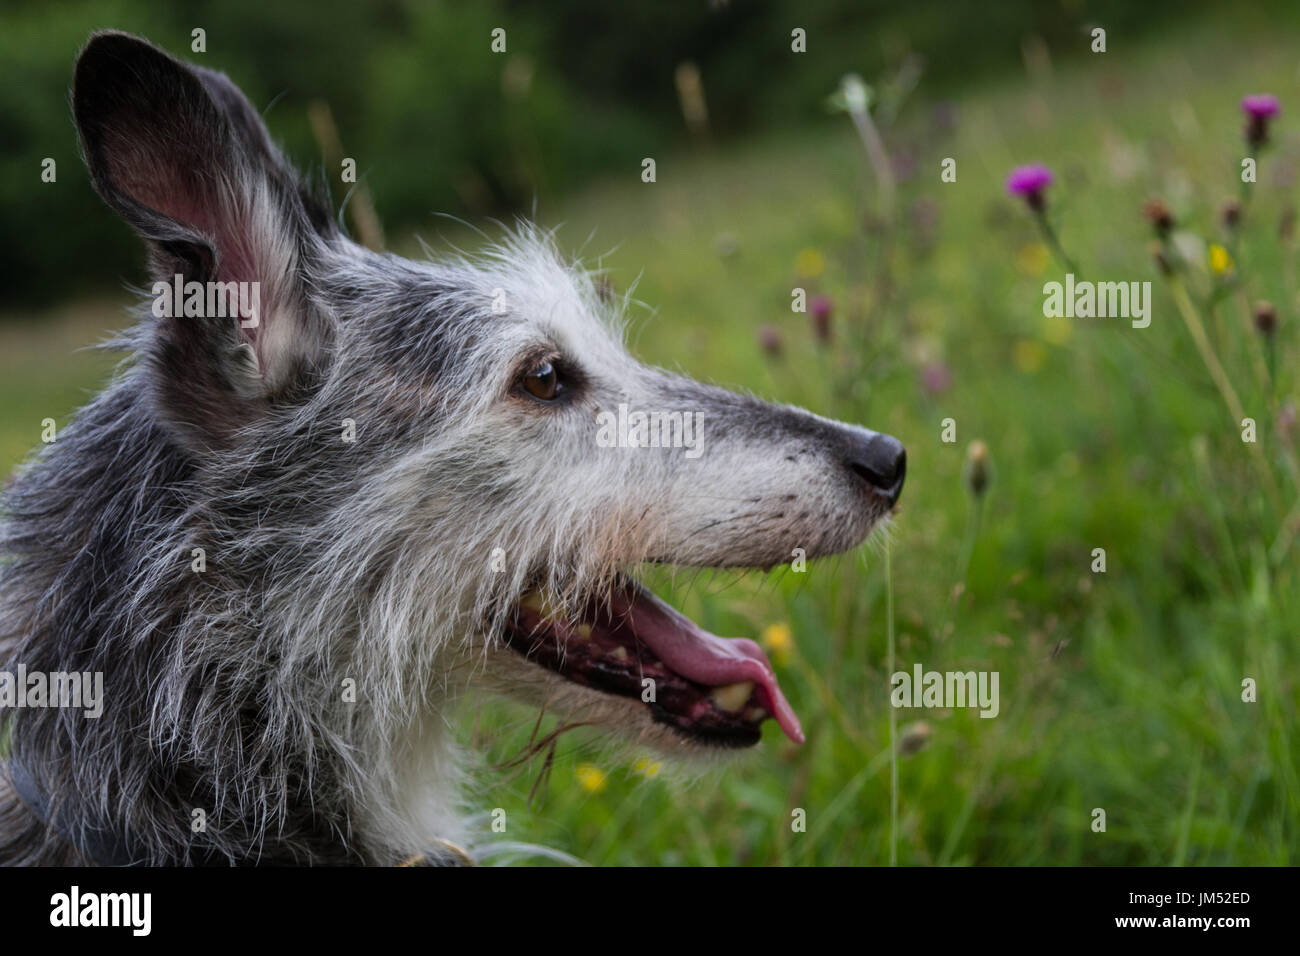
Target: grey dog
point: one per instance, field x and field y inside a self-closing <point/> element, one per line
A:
<point x="293" y="542"/>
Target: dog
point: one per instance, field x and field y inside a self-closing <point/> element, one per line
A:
<point x="293" y="543"/>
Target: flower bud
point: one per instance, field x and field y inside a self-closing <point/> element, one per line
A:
<point x="978" y="468"/>
<point x="1230" y="213"/>
<point x="913" y="738"/>
<point x="1265" y="318"/>
<point x="1158" y="214"/>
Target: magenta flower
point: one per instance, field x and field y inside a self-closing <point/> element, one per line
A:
<point x="820" y="309"/>
<point x="1259" y="109"/>
<point x="769" y="339"/>
<point x="935" y="378"/>
<point x="1260" y="105"/>
<point x="1286" y="422"/>
<point x="1029" y="182"/>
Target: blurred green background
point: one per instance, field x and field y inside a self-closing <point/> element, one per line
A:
<point x="1119" y="691"/>
<point x="437" y="125"/>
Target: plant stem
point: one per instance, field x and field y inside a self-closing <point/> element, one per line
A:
<point x="972" y="535"/>
<point x="893" y="711"/>
<point x="1197" y="330"/>
<point x="1050" y="235"/>
<point x="1258" y="359"/>
<point x="879" y="158"/>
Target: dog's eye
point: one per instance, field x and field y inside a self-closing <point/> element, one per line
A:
<point x="543" y="382"/>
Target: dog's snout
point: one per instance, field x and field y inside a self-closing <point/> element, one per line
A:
<point x="881" y="462"/>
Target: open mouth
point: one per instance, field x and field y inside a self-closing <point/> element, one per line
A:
<point x="715" y="690"/>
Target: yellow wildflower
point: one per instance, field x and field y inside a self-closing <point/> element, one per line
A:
<point x="591" y="777"/>
<point x="1029" y="355"/>
<point x="1033" y="258"/>
<point x="1220" y="260"/>
<point x="809" y="264"/>
<point x="1057" y="329"/>
<point x="778" y="640"/>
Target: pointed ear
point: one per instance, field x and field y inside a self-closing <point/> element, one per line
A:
<point x="183" y="157"/>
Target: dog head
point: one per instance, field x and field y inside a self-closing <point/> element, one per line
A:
<point x="414" y="467"/>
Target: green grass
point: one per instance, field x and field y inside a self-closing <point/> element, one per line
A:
<point x="1119" y="691"/>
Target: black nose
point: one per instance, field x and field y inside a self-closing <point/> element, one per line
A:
<point x="881" y="462"/>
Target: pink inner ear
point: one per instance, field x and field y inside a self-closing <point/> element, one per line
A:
<point x="165" y="174"/>
<point x="194" y="200"/>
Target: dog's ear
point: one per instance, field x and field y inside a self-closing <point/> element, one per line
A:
<point x="183" y="157"/>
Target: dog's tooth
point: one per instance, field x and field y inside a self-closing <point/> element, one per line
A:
<point x="543" y="604"/>
<point x="619" y="653"/>
<point x="732" y="697"/>
<point x="583" y="631"/>
<point x="755" y="715"/>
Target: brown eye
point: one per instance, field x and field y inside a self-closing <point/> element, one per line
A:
<point x="542" y="382"/>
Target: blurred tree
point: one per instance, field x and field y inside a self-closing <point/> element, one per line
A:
<point x="437" y="122"/>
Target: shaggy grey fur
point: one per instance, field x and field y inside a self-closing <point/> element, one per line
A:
<point x="332" y="562"/>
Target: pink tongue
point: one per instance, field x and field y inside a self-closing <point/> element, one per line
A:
<point x="703" y="657"/>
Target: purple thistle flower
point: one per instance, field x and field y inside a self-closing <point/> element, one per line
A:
<point x="769" y="339"/>
<point x="1259" y="109"/>
<point x="935" y="378"/>
<point x="1286" y="422"/>
<point x="820" y="309"/>
<point x="1260" y="105"/>
<point x="1029" y="182"/>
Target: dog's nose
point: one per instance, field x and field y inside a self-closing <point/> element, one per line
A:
<point x="881" y="462"/>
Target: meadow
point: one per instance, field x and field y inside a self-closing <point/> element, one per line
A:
<point x="1120" y="690"/>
